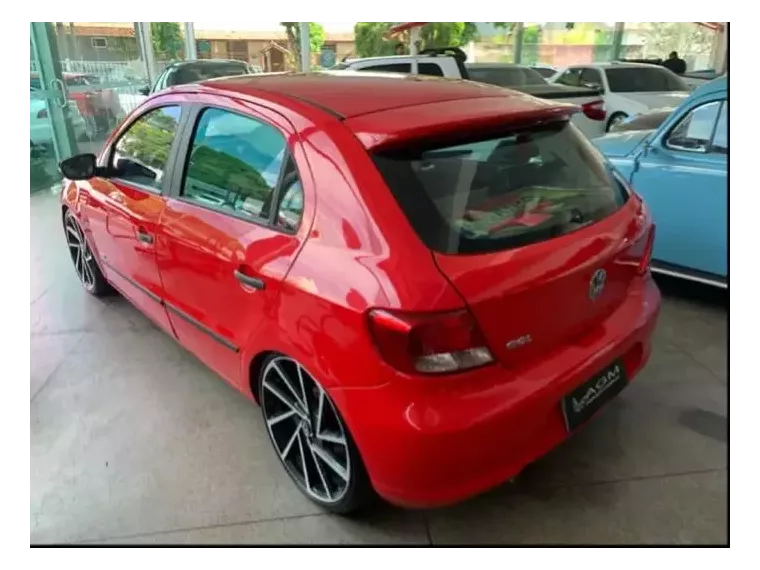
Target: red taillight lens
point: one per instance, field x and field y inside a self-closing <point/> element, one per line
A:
<point x="594" y="110"/>
<point x="42" y="114"/>
<point x="429" y="343"/>
<point x="646" y="258"/>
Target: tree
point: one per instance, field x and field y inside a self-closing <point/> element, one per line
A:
<point x="372" y="39"/>
<point x="684" y="37"/>
<point x="167" y="39"/>
<point x="293" y="33"/>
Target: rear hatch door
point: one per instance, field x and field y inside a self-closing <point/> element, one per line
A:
<point x="530" y="226"/>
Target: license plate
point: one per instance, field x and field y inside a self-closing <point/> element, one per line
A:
<point x="583" y="402"/>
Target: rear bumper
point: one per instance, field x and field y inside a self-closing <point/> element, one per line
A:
<point x="434" y="441"/>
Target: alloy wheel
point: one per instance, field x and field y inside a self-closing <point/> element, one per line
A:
<point x="306" y="430"/>
<point x="81" y="254"/>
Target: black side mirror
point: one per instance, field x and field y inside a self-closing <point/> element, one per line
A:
<point x="79" y="167"/>
<point x="145" y="91"/>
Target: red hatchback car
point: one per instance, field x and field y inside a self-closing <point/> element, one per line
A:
<point x="425" y="284"/>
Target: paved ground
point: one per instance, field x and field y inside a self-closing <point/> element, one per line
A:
<point x="133" y="440"/>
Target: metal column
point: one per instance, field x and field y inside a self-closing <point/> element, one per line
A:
<point x="145" y="41"/>
<point x="48" y="63"/>
<point x="518" y="35"/>
<point x="190" y="50"/>
<point x="303" y="31"/>
<point x="617" y="40"/>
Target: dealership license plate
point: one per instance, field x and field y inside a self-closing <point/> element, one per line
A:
<point x="583" y="402"/>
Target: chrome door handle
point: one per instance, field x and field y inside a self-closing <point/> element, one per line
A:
<point x="248" y="281"/>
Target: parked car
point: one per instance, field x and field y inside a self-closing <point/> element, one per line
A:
<point x="197" y="70"/>
<point x="40" y="125"/>
<point x="591" y="120"/>
<point x="451" y="62"/>
<point x="406" y="273"/>
<point x="98" y="106"/>
<point x="628" y="88"/>
<point x="680" y="169"/>
<point x="646" y="121"/>
<point x="547" y="71"/>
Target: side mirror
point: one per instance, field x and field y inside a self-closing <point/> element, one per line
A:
<point x="145" y="91"/>
<point x="79" y="167"/>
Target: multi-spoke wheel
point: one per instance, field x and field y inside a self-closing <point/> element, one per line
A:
<point x="85" y="264"/>
<point x="310" y="437"/>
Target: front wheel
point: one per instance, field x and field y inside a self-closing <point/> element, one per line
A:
<point x="310" y="437"/>
<point x="85" y="265"/>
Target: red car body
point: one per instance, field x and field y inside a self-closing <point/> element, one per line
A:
<point x="356" y="264"/>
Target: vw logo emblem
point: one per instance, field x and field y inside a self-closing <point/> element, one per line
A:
<point x="596" y="286"/>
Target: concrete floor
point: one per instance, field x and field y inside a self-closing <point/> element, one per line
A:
<point x="133" y="440"/>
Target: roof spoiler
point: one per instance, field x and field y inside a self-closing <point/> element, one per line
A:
<point x="452" y="51"/>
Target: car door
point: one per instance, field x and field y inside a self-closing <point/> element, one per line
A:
<point x="225" y="245"/>
<point x="125" y="208"/>
<point x="682" y="176"/>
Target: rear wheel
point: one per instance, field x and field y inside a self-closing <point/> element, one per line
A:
<point x="85" y="265"/>
<point x="615" y="120"/>
<point x="310" y="437"/>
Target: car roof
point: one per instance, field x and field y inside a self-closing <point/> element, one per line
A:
<point x="205" y="62"/>
<point x="496" y="65"/>
<point x="717" y="84"/>
<point x="389" y="58"/>
<point x="349" y="94"/>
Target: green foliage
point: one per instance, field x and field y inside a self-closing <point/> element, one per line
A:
<point x="443" y="34"/>
<point x="227" y="173"/>
<point x="532" y="35"/>
<point x="149" y="141"/>
<point x="167" y="39"/>
<point x="371" y="38"/>
<point x="293" y="32"/>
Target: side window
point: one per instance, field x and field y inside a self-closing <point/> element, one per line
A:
<point x="234" y="164"/>
<point x="429" y="69"/>
<point x="141" y="154"/>
<point x="291" y="204"/>
<point x="694" y="131"/>
<point x="720" y="138"/>
<point x="571" y="77"/>
<point x="591" y="76"/>
<point x="390" y="68"/>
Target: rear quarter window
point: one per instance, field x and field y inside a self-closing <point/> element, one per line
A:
<point x="480" y="195"/>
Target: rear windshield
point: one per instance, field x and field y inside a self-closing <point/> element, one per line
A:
<point x="506" y="76"/>
<point x="643" y="79"/>
<point x="490" y="194"/>
<point x="184" y="74"/>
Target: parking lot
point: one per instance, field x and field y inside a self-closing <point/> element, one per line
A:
<point x="133" y="440"/>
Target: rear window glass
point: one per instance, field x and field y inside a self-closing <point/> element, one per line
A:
<point x="185" y="74"/>
<point x="506" y="76"/>
<point x="643" y="79"/>
<point x="526" y="186"/>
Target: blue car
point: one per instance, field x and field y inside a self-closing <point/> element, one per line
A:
<point x="680" y="169"/>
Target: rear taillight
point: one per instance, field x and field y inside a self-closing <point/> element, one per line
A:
<point x="429" y="343"/>
<point x="42" y="114"/>
<point x="646" y="258"/>
<point x="594" y="110"/>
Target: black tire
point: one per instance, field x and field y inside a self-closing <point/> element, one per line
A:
<point x="615" y="119"/>
<point x="86" y="266"/>
<point x="357" y="493"/>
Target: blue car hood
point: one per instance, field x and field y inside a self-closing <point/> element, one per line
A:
<point x="621" y="144"/>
